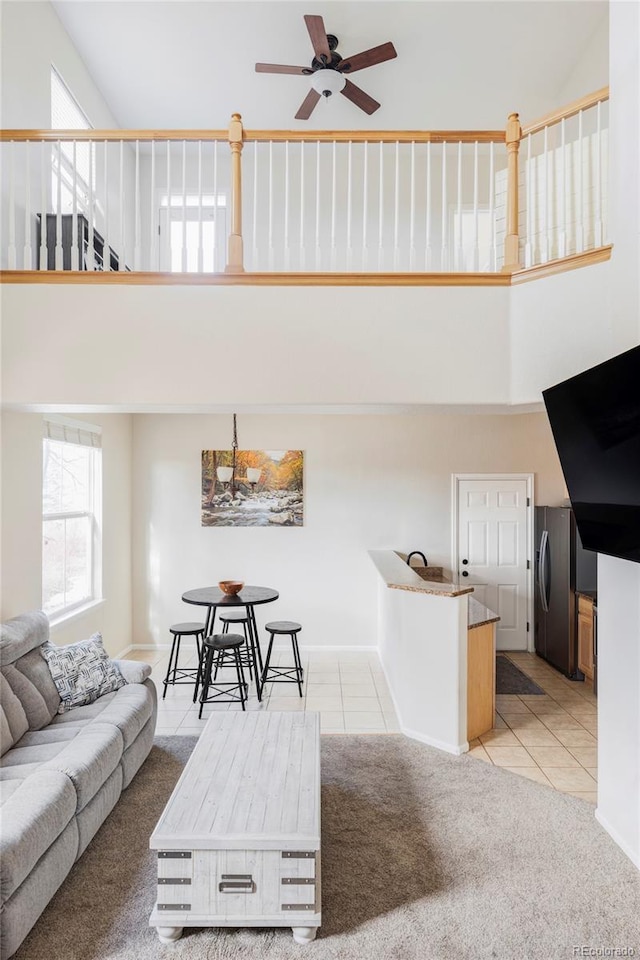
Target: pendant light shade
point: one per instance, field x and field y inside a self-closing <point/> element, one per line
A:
<point x="328" y="82"/>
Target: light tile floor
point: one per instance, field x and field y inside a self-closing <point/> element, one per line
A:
<point x="347" y="689"/>
<point x="551" y="739"/>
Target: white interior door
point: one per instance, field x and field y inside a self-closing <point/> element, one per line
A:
<point x="493" y="549"/>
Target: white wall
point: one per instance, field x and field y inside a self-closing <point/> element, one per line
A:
<point x="171" y="346"/>
<point x="619" y="580"/>
<point x="591" y="70"/>
<point x="21" y="544"/>
<point x="370" y="481"/>
<point x="619" y="702"/>
<point x="559" y="326"/>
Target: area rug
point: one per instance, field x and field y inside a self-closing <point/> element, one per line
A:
<point x="511" y="679"/>
<point x="425" y="856"/>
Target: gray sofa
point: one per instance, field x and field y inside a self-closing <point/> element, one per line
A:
<point x="60" y="774"/>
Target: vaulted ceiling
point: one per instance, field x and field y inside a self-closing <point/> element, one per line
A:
<point x="461" y="63"/>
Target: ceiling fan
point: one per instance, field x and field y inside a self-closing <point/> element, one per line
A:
<point x="328" y="69"/>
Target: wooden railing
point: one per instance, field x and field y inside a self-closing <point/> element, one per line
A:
<point x="242" y="205"/>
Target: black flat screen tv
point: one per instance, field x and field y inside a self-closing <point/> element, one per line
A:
<point x="595" y="419"/>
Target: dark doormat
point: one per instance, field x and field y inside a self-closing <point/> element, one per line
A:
<point x="510" y="679"/>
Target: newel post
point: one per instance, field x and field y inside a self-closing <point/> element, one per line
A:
<point x="235" y="254"/>
<point x="511" y="243"/>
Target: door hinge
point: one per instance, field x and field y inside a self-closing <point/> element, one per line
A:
<point x="527" y="626"/>
<point x="528" y="501"/>
<point x="528" y="564"/>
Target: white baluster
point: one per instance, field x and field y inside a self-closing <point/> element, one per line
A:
<point x="365" y="203"/>
<point x="11" y="252"/>
<point x="349" y="207"/>
<point x="184" y="207"/>
<point x="318" y="251"/>
<point x="428" y="254"/>
<point x="105" y="189"/>
<point x="122" y="253"/>
<point x="200" y="266"/>
<point x="137" y="250"/>
<point x="75" y="252"/>
<point x="412" y="210"/>
<point x="271" y="250"/>
<point x="580" y="203"/>
<point x="219" y="242"/>
<point x="546" y="200"/>
<point x="333" y="206"/>
<point x="91" y="260"/>
<point x="459" y="253"/>
<point x="564" y="221"/>
<point x="154" y="263"/>
<point x="301" y="236"/>
<point x="444" y="259"/>
<point x="381" y="208"/>
<point x="254" y="226"/>
<point x="528" y="248"/>
<point x="493" y="250"/>
<point x="476" y="233"/>
<point x="396" y="208"/>
<point x="59" y="262"/>
<point x="43" y="207"/>
<point x="598" y="231"/>
<point x="167" y="226"/>
<point x="287" y="250"/>
<point x="27" y="254"/>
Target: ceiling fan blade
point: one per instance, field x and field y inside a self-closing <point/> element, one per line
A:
<point x="278" y="68"/>
<point x="368" y="58"/>
<point x="359" y="97"/>
<point x="318" y="34"/>
<point x="308" y="104"/>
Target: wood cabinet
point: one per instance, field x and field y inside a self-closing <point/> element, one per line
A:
<point x="481" y="679"/>
<point x="585" y="635"/>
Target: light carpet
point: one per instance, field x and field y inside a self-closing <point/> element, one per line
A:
<point x="425" y="856"/>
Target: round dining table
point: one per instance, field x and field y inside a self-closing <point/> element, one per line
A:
<point x="249" y="597"/>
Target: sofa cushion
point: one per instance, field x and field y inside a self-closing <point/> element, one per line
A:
<point x="33" y="817"/>
<point x="129" y="711"/>
<point x="31" y="681"/>
<point x="89" y="759"/>
<point x="22" y="634"/>
<point x="82" y="672"/>
<point x="13" y="719"/>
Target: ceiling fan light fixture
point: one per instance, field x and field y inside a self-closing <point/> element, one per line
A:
<point x="327" y="82"/>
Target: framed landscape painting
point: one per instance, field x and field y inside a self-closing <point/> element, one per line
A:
<point x="256" y="488"/>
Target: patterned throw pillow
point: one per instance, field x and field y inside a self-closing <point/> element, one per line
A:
<point x="82" y="672"/>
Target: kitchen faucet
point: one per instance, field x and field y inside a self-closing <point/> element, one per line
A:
<point x="418" y="553"/>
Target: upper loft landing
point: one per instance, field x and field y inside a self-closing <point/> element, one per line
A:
<point x="252" y="207"/>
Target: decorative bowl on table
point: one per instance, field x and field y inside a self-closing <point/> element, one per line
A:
<point x="231" y="587"/>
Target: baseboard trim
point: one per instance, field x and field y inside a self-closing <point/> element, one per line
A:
<point x="123" y="653"/>
<point x="633" y="855"/>
<point x="151" y="646"/>
<point x="456" y="749"/>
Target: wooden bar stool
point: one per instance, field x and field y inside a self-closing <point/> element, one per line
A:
<point x="179" y="675"/>
<point x="293" y="674"/>
<point x="214" y="645"/>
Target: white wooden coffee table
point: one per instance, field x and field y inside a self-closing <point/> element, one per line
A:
<point x="238" y="843"/>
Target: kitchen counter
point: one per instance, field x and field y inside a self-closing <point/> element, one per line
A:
<point x="479" y="615"/>
<point x="398" y="576"/>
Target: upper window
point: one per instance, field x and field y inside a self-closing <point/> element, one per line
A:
<point x="71" y="167"/>
<point x="71" y="516"/>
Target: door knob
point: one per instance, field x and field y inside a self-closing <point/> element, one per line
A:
<point x="465" y="573"/>
<point x="465" y="562"/>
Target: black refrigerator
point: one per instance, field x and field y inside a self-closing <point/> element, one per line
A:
<point x="562" y="567"/>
